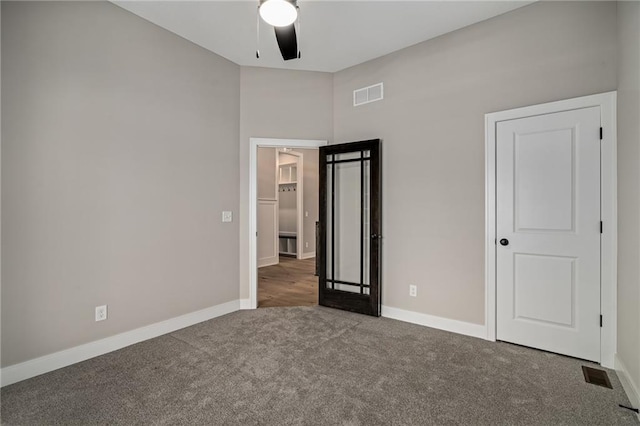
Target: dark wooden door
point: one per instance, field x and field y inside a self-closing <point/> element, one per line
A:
<point x="350" y="220"/>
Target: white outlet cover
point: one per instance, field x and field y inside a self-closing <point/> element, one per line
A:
<point x="227" y="216"/>
<point x="101" y="313"/>
<point x="413" y="291"/>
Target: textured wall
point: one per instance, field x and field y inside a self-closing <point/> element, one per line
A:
<point x="310" y="198"/>
<point x="120" y="148"/>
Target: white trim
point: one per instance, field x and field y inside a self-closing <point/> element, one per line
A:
<point x="630" y="387"/>
<point x="446" y="324"/>
<point x="308" y="255"/>
<point x="253" y="201"/>
<point x="607" y="104"/>
<point x="47" y="363"/>
<point x="245" y="304"/>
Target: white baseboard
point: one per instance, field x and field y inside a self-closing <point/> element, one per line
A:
<point x="308" y="255"/>
<point x="269" y="262"/>
<point x="245" y="304"/>
<point x="47" y="363"/>
<point x="454" y="326"/>
<point x="632" y="390"/>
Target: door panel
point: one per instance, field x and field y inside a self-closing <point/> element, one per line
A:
<point x="350" y="227"/>
<point x="548" y="232"/>
<point x="267" y="233"/>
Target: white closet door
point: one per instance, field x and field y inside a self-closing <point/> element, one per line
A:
<point x="548" y="232"/>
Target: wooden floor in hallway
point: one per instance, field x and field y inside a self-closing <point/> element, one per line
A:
<point x="290" y="283"/>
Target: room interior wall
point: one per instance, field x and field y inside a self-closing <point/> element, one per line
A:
<point x="281" y="104"/>
<point x="120" y="150"/>
<point x="267" y="173"/>
<point x="628" y="189"/>
<point x="287" y="212"/>
<point x="432" y="126"/>
<point x="310" y="198"/>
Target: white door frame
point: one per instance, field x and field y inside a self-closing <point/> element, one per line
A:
<point x="608" y="207"/>
<point x="254" y="143"/>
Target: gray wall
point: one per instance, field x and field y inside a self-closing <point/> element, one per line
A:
<point x="266" y="163"/>
<point x="629" y="188"/>
<point x="310" y="198"/>
<point x="278" y="104"/>
<point x="432" y="125"/>
<point x="120" y="148"/>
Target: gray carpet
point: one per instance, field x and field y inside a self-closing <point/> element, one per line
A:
<point x="282" y="366"/>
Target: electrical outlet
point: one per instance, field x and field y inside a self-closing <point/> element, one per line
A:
<point x="227" y="216"/>
<point x="306" y="244"/>
<point x="306" y="214"/>
<point x="101" y="313"/>
<point x="413" y="291"/>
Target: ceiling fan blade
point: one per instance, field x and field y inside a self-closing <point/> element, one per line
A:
<point x="287" y="41"/>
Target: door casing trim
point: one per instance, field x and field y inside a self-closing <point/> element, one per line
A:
<point x="254" y="143"/>
<point x="608" y="211"/>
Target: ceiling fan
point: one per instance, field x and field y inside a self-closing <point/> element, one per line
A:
<point x="283" y="15"/>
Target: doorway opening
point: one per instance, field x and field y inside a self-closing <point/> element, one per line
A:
<point x="287" y="219"/>
<point x="282" y="236"/>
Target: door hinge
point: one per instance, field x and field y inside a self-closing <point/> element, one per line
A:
<point x="600" y="133"/>
<point x="600" y="320"/>
<point x="601" y="227"/>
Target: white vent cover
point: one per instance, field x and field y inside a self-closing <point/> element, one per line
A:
<point x="368" y="94"/>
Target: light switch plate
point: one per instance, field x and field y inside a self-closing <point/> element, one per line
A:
<point x="227" y="216"/>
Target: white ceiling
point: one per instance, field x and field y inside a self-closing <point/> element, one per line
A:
<point x="334" y="34"/>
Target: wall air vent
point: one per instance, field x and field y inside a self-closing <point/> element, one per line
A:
<point x="368" y="94"/>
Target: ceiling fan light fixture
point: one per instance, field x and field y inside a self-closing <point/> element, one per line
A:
<point x="278" y="13"/>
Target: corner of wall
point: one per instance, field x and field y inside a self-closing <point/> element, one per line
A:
<point x="630" y="388"/>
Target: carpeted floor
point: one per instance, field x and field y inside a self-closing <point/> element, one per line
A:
<point x="312" y="365"/>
